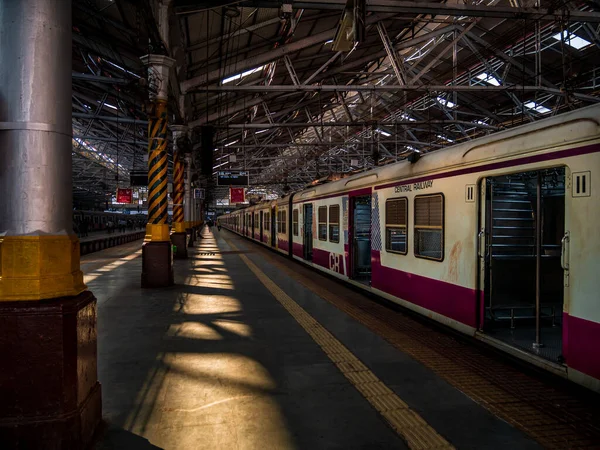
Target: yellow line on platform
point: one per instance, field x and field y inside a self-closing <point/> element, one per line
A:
<point x="407" y="423"/>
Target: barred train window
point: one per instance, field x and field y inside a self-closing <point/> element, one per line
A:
<point x="267" y="222"/>
<point x="295" y="221"/>
<point x="322" y="223"/>
<point x="429" y="227"/>
<point x="283" y="221"/>
<point x="334" y="223"/>
<point x="279" y="221"/>
<point x="396" y="221"/>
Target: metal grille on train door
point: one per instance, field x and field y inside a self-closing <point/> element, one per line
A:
<point x="375" y="227"/>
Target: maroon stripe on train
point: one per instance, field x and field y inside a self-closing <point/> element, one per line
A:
<point x="499" y="165"/>
<point x="450" y="300"/>
<point x="580" y="344"/>
<point x="298" y="250"/>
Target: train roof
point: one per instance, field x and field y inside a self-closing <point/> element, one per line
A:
<point x="579" y="126"/>
<point x="572" y="127"/>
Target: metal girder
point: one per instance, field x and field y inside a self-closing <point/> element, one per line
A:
<point x="264" y="58"/>
<point x="397" y="63"/>
<point x="385" y="88"/>
<point x="114" y="140"/>
<point x="109" y="118"/>
<point x="352" y="124"/>
<point x="444" y="9"/>
<point x="99" y="78"/>
<point x="244" y="30"/>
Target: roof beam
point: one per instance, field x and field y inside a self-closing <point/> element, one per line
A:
<point x="444" y="9"/>
<point x="264" y="58"/>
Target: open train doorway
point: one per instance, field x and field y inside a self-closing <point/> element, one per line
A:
<point x="273" y="223"/>
<point x="308" y="232"/>
<point x="261" y="222"/>
<point x="521" y="271"/>
<point x="360" y="211"/>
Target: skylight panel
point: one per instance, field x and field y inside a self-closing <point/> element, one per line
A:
<point x="231" y="143"/>
<point x="488" y="79"/>
<point x="573" y="40"/>
<point x="407" y="118"/>
<point x="446" y="103"/>
<point x="239" y="76"/>
<point x="261" y="131"/>
<point x="383" y="133"/>
<point x="536" y="107"/>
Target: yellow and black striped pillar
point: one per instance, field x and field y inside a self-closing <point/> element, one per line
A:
<point x="157" y="256"/>
<point x="157" y="228"/>
<point x="178" y="223"/>
<point x="178" y="232"/>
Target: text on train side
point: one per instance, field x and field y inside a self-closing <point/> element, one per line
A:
<point x="414" y="186"/>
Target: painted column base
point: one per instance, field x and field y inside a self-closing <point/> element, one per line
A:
<point x="157" y="264"/>
<point x="51" y="397"/>
<point x="179" y="240"/>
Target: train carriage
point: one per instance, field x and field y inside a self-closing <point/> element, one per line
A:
<point x="493" y="237"/>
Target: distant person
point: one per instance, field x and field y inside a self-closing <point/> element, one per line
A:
<point x="218" y="226"/>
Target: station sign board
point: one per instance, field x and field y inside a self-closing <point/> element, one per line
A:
<point x="233" y="178"/>
<point x="236" y="195"/>
<point x="124" y="195"/>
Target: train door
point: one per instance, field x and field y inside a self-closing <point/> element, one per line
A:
<point x="261" y="225"/>
<point x="360" y="248"/>
<point x="308" y="232"/>
<point x="520" y="254"/>
<point x="273" y="226"/>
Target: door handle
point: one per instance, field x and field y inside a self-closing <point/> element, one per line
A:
<point x="564" y="251"/>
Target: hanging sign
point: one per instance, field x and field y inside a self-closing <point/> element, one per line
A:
<point x="233" y="178"/>
<point x="199" y="193"/>
<point x="124" y="195"/>
<point x="236" y="195"/>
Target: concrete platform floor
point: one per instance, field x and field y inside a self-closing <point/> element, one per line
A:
<point x="239" y="355"/>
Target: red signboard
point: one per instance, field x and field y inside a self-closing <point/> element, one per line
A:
<point x="236" y="195"/>
<point x="124" y="195"/>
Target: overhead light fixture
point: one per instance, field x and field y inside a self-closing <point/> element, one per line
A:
<point x="383" y="133"/>
<point x="446" y="103"/>
<point x="444" y="138"/>
<point x="261" y="131"/>
<point x="572" y="40"/>
<point x="231" y="143"/>
<point x="329" y="41"/>
<point x="536" y="107"/>
<point x="488" y="79"/>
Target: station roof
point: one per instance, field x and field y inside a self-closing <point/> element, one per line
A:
<point x="301" y="90"/>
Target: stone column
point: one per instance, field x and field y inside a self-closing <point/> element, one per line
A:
<point x="178" y="233"/>
<point x="157" y="264"/>
<point x="49" y="390"/>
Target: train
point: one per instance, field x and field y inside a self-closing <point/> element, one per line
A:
<point x="97" y="220"/>
<point x="494" y="237"/>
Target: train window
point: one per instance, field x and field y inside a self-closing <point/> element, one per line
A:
<point x="295" y="221"/>
<point x="429" y="227"/>
<point x="279" y="221"/>
<point x="396" y="225"/>
<point x="267" y="222"/>
<point x="334" y="223"/>
<point x="322" y="223"/>
<point x="283" y="221"/>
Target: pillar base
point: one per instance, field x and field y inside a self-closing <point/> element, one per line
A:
<point x="179" y="240"/>
<point x="157" y="264"/>
<point x="51" y="397"/>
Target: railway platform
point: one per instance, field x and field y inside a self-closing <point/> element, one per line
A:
<point x="251" y="350"/>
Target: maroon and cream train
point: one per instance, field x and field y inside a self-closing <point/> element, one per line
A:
<point x="495" y="237"/>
